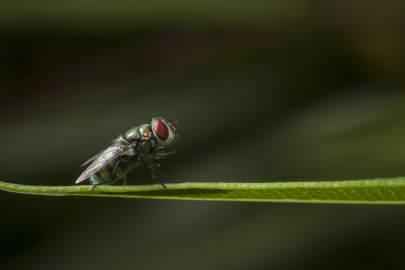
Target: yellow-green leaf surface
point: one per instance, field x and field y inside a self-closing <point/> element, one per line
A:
<point x="377" y="191"/>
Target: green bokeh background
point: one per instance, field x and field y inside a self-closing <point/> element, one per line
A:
<point x="264" y="91"/>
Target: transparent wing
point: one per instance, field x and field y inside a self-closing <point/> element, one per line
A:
<point x="90" y="160"/>
<point x="101" y="160"/>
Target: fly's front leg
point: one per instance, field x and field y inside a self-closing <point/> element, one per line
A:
<point x="161" y="156"/>
<point x="151" y="171"/>
<point x="152" y="167"/>
<point x="161" y="171"/>
<point x="164" y="155"/>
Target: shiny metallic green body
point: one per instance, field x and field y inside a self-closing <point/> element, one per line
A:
<point x="105" y="173"/>
<point x="142" y="134"/>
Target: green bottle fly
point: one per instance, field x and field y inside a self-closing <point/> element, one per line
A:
<point x="145" y="145"/>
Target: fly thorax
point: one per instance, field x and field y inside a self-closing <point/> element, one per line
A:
<point x="133" y="134"/>
<point x="119" y="139"/>
<point x="145" y="131"/>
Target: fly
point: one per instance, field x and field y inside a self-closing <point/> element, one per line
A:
<point x="145" y="145"/>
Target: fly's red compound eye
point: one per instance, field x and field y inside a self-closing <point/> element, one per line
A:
<point x="161" y="130"/>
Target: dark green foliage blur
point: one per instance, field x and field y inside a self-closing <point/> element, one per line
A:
<point x="264" y="91"/>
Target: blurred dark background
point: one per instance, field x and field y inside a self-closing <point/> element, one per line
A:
<point x="264" y="91"/>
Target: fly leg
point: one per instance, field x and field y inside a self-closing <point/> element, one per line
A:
<point x="112" y="177"/>
<point x="155" y="168"/>
<point x="104" y="183"/>
<point x="129" y="163"/>
<point x="152" y="167"/>
<point x="151" y="171"/>
<point x="163" y="155"/>
<point x="160" y="156"/>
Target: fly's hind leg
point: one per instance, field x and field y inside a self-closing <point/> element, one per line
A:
<point x="129" y="163"/>
<point x="112" y="177"/>
<point x="104" y="183"/>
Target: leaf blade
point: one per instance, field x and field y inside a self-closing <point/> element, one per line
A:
<point x="377" y="191"/>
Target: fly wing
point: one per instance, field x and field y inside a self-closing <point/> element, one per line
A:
<point x="103" y="159"/>
<point x="90" y="160"/>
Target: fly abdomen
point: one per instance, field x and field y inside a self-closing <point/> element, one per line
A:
<point x="105" y="173"/>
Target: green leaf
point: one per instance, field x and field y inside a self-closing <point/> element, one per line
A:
<point x="377" y="191"/>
